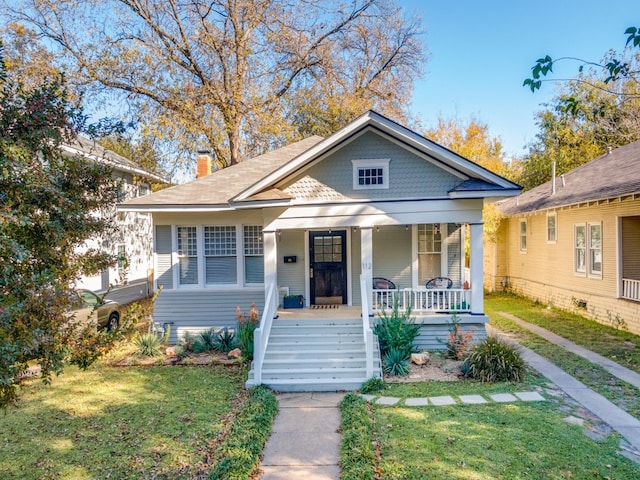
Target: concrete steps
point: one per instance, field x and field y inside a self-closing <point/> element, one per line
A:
<point x="316" y="355"/>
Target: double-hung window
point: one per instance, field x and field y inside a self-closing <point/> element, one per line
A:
<point x="580" y="249"/>
<point x="595" y="249"/>
<point x="429" y="252"/>
<point x="588" y="249"/>
<point x="220" y="257"/>
<point x="551" y="227"/>
<point x="188" y="255"/>
<point x="253" y="254"/>
<point x="523" y="236"/>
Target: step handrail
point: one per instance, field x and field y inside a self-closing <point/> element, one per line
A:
<point x="366" y="327"/>
<point x="261" y="334"/>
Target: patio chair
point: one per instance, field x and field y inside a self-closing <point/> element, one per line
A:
<point x="380" y="283"/>
<point x="439" y="283"/>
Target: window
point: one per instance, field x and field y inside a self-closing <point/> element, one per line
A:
<point x="121" y="193"/>
<point x="188" y="255"/>
<point x="429" y="252"/>
<point x="370" y="174"/>
<point x="122" y="262"/>
<point x="220" y="259"/>
<point x="253" y="254"/>
<point x="595" y="249"/>
<point x="580" y="249"/>
<point x="143" y="189"/>
<point x="523" y="236"/>
<point x="551" y="227"/>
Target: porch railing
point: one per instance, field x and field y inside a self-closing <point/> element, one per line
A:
<point x="631" y="289"/>
<point x="366" y="325"/>
<point x="261" y="334"/>
<point x="424" y="300"/>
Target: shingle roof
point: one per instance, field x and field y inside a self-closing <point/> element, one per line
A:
<point x="220" y="186"/>
<point x="609" y="176"/>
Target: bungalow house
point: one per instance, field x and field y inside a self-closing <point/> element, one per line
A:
<point x="574" y="242"/>
<point x="319" y="220"/>
<point x="131" y="241"/>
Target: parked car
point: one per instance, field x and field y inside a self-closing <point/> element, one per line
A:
<point x="87" y="306"/>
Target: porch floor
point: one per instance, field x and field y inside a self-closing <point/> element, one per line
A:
<point x="342" y="312"/>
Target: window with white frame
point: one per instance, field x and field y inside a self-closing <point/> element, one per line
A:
<point x="429" y="252"/>
<point x="370" y="174"/>
<point x="188" y="255"/>
<point x="595" y="249"/>
<point x="143" y="189"/>
<point x="580" y="248"/>
<point x="523" y="236"/>
<point x="253" y="254"/>
<point x="122" y="261"/>
<point x="551" y="227"/>
<point x="220" y="258"/>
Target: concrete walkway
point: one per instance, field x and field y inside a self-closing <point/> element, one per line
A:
<point x="305" y="439"/>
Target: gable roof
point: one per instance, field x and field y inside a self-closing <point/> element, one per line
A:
<point x="92" y="150"/>
<point x="612" y="175"/>
<point x="262" y="178"/>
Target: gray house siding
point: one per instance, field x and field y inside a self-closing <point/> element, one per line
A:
<point x="454" y="255"/>
<point x="198" y="310"/>
<point x="164" y="274"/>
<point x="356" y="268"/>
<point x="410" y="176"/>
<point x="392" y="255"/>
<point x="292" y="275"/>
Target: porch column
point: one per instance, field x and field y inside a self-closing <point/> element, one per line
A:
<point x="476" y="263"/>
<point x="270" y="266"/>
<point x="366" y="259"/>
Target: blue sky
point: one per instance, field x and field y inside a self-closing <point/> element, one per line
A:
<point x="481" y="51"/>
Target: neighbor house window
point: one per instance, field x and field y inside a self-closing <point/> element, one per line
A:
<point x="220" y="259"/>
<point x="429" y="252"/>
<point x="253" y="254"/>
<point x="523" y="235"/>
<point x="143" y="189"/>
<point x="122" y="262"/>
<point x="580" y="249"/>
<point x="188" y="255"/>
<point x="370" y="174"/>
<point x="595" y="249"/>
<point x="551" y="227"/>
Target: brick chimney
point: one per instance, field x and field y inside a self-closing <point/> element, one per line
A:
<point x="204" y="163"/>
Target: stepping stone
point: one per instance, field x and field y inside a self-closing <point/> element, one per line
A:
<point x="387" y="400"/>
<point x="444" y="400"/>
<point x="574" y="420"/>
<point x="416" y="402"/>
<point x="503" y="397"/>
<point x="530" y="396"/>
<point x="367" y="398"/>
<point x="472" y="399"/>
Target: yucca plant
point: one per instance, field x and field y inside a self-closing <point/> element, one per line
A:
<point x="396" y="331"/>
<point x="205" y="341"/>
<point x="225" y="340"/>
<point x="149" y="345"/>
<point x="495" y="360"/>
<point x="396" y="363"/>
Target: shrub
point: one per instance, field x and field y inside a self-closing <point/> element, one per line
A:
<point x="205" y="341"/>
<point x="246" y="327"/>
<point x="396" y="331"/>
<point x="396" y="363"/>
<point x="187" y="342"/>
<point x="224" y="340"/>
<point x="495" y="360"/>
<point x="373" y="385"/>
<point x="149" y="344"/>
<point x="458" y="341"/>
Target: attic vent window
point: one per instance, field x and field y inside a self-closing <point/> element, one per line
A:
<point x="370" y="174"/>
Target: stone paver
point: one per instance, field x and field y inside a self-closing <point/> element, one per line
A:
<point x="387" y="400"/>
<point x="503" y="397"/>
<point x="472" y="399"/>
<point x="529" y="396"/>
<point x="442" y="400"/>
<point x="416" y="402"/>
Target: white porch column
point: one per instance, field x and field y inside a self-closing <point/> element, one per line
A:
<point x="476" y="263"/>
<point x="270" y="266"/>
<point x="366" y="259"/>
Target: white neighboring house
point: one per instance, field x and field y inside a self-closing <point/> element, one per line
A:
<point x="132" y="240"/>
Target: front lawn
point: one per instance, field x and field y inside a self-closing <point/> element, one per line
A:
<point x="153" y="422"/>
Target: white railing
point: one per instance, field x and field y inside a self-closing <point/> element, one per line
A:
<point x="261" y="334"/>
<point x="631" y="289"/>
<point x="367" y="333"/>
<point x="424" y="300"/>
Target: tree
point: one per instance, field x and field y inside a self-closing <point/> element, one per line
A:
<point x="236" y="75"/>
<point x="50" y="204"/>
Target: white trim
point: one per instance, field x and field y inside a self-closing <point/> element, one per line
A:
<point x="382" y="163"/>
<point x="580" y="273"/>
<point x="590" y="272"/>
<point x="307" y="269"/>
<point x="555" y="227"/>
<point x="348" y="259"/>
<point x="618" y="254"/>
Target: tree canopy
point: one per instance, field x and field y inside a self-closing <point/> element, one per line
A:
<point x="238" y="77"/>
<point x="50" y="204"/>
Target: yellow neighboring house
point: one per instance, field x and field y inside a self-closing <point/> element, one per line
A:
<point x="574" y="243"/>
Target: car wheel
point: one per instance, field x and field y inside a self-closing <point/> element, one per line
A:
<point x="112" y="324"/>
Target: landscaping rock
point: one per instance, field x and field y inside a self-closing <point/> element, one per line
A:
<point x="420" y="358"/>
<point x="235" y="353"/>
<point x="171" y="351"/>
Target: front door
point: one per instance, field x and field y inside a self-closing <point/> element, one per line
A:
<point x="328" y="261"/>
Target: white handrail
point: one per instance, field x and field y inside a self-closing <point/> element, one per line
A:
<point x="261" y="334"/>
<point x="366" y="327"/>
<point x="631" y="289"/>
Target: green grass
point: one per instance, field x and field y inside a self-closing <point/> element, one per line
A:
<point x="617" y="391"/>
<point x="492" y="441"/>
<point x="125" y="423"/>
<point x="357" y="453"/>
